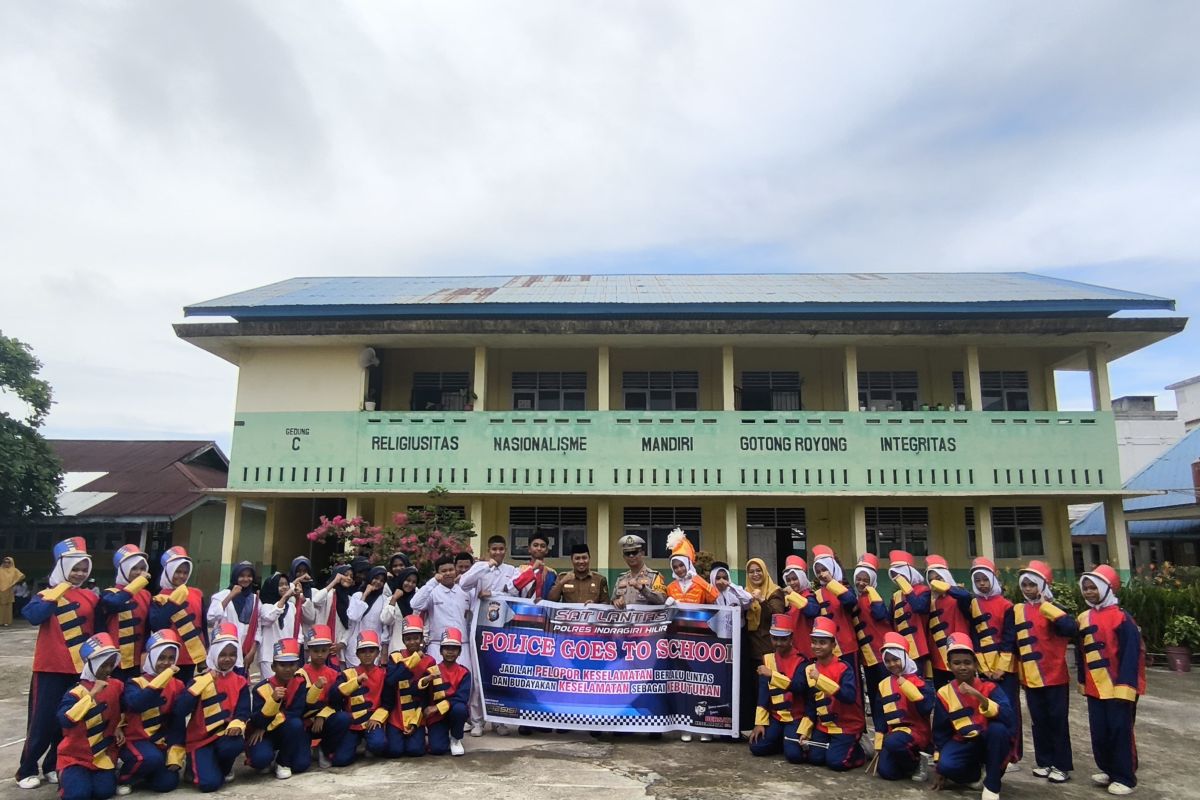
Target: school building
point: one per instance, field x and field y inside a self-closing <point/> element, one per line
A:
<point x="760" y="413"/>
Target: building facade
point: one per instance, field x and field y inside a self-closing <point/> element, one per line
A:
<point x="760" y="413"/>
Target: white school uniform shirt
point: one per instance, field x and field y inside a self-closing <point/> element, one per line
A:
<point x="322" y="601"/>
<point x="270" y="631"/>
<point x="484" y="576"/>
<point x="229" y="614"/>
<point x="392" y="619"/>
<point x="445" y="608"/>
<point x="733" y="596"/>
<point x="365" y="618"/>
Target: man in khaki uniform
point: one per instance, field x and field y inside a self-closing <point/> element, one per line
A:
<point x="640" y="585"/>
<point x="582" y="585"/>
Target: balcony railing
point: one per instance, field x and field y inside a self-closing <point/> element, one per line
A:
<point x="695" y="452"/>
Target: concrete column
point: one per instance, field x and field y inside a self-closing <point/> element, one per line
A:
<point x="602" y="386"/>
<point x="850" y="376"/>
<point x="268" y="555"/>
<point x="1051" y="389"/>
<point x="1098" y="369"/>
<point x="352" y="507"/>
<point x="1118" y="535"/>
<point x="230" y="537"/>
<point x="480" y="374"/>
<point x="985" y="543"/>
<point x="858" y="529"/>
<point x="1062" y="519"/>
<point x="971" y="380"/>
<point x="144" y="537"/>
<point x="475" y="510"/>
<point x="733" y="554"/>
<point x="603" y="561"/>
<point x="728" y="398"/>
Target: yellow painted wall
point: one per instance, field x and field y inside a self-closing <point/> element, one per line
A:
<point x="300" y="379"/>
<point x="503" y="363"/>
<point x="705" y="360"/>
<point x="821" y="387"/>
<point x="399" y="364"/>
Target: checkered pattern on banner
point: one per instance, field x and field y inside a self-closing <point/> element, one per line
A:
<point x="662" y="720"/>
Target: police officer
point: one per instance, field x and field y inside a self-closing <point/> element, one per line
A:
<point x="639" y="585"/>
<point x="582" y="585"/>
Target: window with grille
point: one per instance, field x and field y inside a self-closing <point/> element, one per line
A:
<point x="888" y="391"/>
<point x="789" y="527"/>
<point x="549" y="391"/>
<point x="563" y="528"/>
<point x="892" y="528"/>
<point x="1002" y="391"/>
<point x="656" y="523"/>
<point x="770" y="391"/>
<point x="661" y="391"/>
<point x="1017" y="531"/>
<point x="440" y="391"/>
<point x="969" y="524"/>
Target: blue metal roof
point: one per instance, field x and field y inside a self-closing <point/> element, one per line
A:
<point x="1171" y="472"/>
<point x="680" y="295"/>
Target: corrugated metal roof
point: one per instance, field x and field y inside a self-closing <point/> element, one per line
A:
<point x="1171" y="473"/>
<point x="678" y="294"/>
<point x="160" y="479"/>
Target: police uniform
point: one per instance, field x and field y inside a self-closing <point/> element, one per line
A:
<point x="647" y="587"/>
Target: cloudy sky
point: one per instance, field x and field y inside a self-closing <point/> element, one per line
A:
<point x="155" y="154"/>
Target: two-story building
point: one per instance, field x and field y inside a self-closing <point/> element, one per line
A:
<point x="760" y="413"/>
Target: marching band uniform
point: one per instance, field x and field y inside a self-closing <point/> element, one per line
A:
<point x="124" y="610"/>
<point x="318" y="703"/>
<point x="910" y="607"/>
<point x="768" y="601"/>
<point x="837" y="602"/>
<point x="534" y="583"/>
<point x="906" y="702"/>
<point x="219" y="705"/>
<point x="403" y="697"/>
<point x="833" y="705"/>
<point x="946" y="614"/>
<point x="154" y="730"/>
<point x="967" y="738"/>
<point x="691" y="588"/>
<point x="780" y="700"/>
<point x="355" y="699"/>
<point x="872" y="623"/>
<point x="65" y="615"/>
<point x="243" y="612"/>
<point x="802" y="606"/>
<point x="281" y="721"/>
<point x="994" y="636"/>
<point x="1043" y="630"/>
<point x="181" y="609"/>
<point x="449" y="693"/>
<point x="87" y="754"/>
<point x="1112" y="673"/>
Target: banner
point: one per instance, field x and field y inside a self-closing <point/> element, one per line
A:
<point x="598" y="668"/>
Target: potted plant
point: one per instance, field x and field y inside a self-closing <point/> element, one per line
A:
<point x="1180" y="637"/>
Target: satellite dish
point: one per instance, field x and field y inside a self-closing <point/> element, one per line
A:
<point x="367" y="358"/>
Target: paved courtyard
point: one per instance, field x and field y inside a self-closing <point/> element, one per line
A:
<point x="561" y="766"/>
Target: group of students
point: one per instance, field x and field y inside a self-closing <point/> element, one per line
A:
<point x="130" y="688"/>
<point x="941" y="667"/>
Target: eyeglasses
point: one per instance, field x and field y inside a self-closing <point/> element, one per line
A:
<point x="631" y="553"/>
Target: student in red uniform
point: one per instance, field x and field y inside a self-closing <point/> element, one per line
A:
<point x="1043" y="630"/>
<point x="180" y="608"/>
<point x="802" y="606"/>
<point x="872" y="623"/>
<point x="218" y="701"/>
<point x="124" y="610"/>
<point x="356" y="699"/>
<point x="972" y="723"/>
<point x="319" y="675"/>
<point x="1112" y="674"/>
<point x="906" y="703"/>
<point x="89" y="715"/>
<point x="402" y="695"/>
<point x="153" y="751"/>
<point x="65" y="615"/>
<point x="948" y="608"/>
<point x="780" y="708"/>
<point x="837" y="601"/>
<point x="277" y="706"/>
<point x="994" y="635"/>
<point x="910" y="607"/>
<point x="834" y="723"/>
<point x="449" y="685"/>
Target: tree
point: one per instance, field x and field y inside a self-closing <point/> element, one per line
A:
<point x="30" y="473"/>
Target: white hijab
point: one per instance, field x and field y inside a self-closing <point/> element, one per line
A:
<point x="214" y="653"/>
<point x="88" y="673"/>
<point x="799" y="573"/>
<point x="126" y="565"/>
<point x="64" y="566"/>
<point x="151" y="656"/>
<point x="872" y="575"/>
<point x="1107" y="596"/>
<point x="908" y="572"/>
<point x="740" y="596"/>
<point x="830" y="563"/>
<point x="1039" y="581"/>
<point x="910" y="666"/>
<point x="164" y="580"/>
<point x="685" y="582"/>
<point x="942" y="574"/>
<point x="996" y="587"/>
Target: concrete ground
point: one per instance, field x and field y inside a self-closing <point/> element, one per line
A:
<point x="561" y="766"/>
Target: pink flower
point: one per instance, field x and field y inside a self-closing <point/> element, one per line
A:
<point x="400" y="518"/>
<point x="313" y="535"/>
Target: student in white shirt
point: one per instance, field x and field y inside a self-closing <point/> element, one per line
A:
<point x="403" y="587"/>
<point x="366" y="611"/>
<point x="239" y="606"/>
<point x="333" y="605"/>
<point x="286" y="614"/>
<point x="444" y="605"/>
<point x="728" y="594"/>
<point x="490" y="577"/>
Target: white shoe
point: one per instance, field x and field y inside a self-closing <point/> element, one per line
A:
<point x="687" y="737"/>
<point x="282" y="772"/>
<point x="989" y="795"/>
<point x="501" y="730"/>
<point x="323" y="760"/>
<point x="229" y="776"/>
<point x="30" y="782"/>
<point x="977" y="785"/>
<point x="52" y="776"/>
<point x="1101" y="778"/>
<point x="705" y="738"/>
<point x="922" y="773"/>
<point x="1041" y="772"/>
<point x="456" y="747"/>
<point x="1058" y="776"/>
<point x="477" y="729"/>
<point x="1012" y="767"/>
<point x="1119" y="788"/>
<point x="124" y="789"/>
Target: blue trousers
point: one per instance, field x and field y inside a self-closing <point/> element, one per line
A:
<point x="80" y="783"/>
<point x="1113" y="745"/>
<point x="776" y="740"/>
<point x="287" y="746"/>
<point x="42" y="731"/>
<point x="410" y="745"/>
<point x="1011" y="685"/>
<point x="211" y="763"/>
<point x="962" y="762"/>
<point x="873" y="677"/>
<point x="143" y="762"/>
<point x="899" y="757"/>
<point x="1048" y="716"/>
<point x="844" y="752"/>
<point x="449" y="726"/>
<point x="342" y="743"/>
